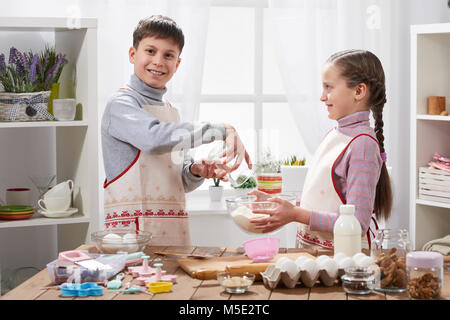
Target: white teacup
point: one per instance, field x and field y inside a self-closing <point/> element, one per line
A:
<point x="18" y="196"/>
<point x="63" y="189"/>
<point x="54" y="203"/>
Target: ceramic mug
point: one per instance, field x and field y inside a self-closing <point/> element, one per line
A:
<point x="64" y="109"/>
<point x="18" y="196"/>
<point x="63" y="189"/>
<point x="54" y="203"/>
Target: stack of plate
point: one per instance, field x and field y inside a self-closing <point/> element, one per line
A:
<point x="16" y="212"/>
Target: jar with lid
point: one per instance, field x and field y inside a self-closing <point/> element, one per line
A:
<point x="358" y="280"/>
<point x="389" y="250"/>
<point x="424" y="270"/>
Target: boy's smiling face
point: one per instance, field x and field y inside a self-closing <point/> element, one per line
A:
<point x="155" y="60"/>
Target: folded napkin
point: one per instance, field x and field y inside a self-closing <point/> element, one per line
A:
<point x="439" y="245"/>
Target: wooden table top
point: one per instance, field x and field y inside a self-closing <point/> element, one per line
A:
<point x="187" y="288"/>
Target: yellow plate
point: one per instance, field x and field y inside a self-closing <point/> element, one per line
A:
<point x="158" y="287"/>
<point x="16" y="212"/>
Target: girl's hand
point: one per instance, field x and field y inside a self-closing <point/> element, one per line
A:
<point x="283" y="214"/>
<point x="260" y="196"/>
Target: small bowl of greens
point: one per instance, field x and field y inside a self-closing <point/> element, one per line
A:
<point x="244" y="185"/>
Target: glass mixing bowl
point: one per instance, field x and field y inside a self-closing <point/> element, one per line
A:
<point x="113" y="241"/>
<point x="240" y="209"/>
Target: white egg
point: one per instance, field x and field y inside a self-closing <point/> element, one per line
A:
<point x="112" y="238"/>
<point x="358" y="256"/>
<point x="280" y="262"/>
<point x="129" y="237"/>
<point x="299" y="260"/>
<point x="365" y="262"/>
<point x="330" y="266"/>
<point x="322" y="258"/>
<point x="112" y="241"/>
<point x="339" y="256"/>
<point x="130" y="242"/>
<point x="290" y="267"/>
<point x="310" y="266"/>
<point x="346" y="262"/>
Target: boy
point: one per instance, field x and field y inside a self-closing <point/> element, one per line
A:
<point x="143" y="142"/>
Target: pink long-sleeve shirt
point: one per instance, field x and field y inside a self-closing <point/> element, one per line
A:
<point x="356" y="173"/>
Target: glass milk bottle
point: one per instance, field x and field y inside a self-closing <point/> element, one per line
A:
<point x="347" y="232"/>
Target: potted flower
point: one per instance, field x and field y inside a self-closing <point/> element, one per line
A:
<point x="245" y="187"/>
<point x="268" y="174"/>
<point x="26" y="81"/>
<point x="293" y="172"/>
<point x="216" y="191"/>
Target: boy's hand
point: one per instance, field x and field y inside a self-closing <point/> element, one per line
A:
<point x="208" y="169"/>
<point x="235" y="148"/>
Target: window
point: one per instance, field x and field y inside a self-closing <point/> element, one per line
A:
<point x="242" y="83"/>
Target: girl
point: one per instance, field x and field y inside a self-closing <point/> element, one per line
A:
<point x="349" y="166"/>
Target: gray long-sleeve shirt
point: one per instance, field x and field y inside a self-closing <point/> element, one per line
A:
<point x="126" y="128"/>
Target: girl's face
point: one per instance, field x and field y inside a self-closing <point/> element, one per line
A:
<point x="341" y="100"/>
<point x="155" y="61"/>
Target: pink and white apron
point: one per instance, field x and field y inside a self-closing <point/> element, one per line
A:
<point x="149" y="194"/>
<point x="319" y="191"/>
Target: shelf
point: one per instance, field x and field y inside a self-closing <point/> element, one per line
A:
<point x="43" y="23"/>
<point x="43" y="124"/>
<point x="433" y="118"/>
<point x="429" y="65"/>
<point x="433" y="203"/>
<point x="39" y="220"/>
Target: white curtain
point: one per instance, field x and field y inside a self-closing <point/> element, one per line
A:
<point x="307" y="32"/>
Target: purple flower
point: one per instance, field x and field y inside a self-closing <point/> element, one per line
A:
<point x="34" y="61"/>
<point x="2" y="63"/>
<point x="17" y="58"/>
<point x="12" y="55"/>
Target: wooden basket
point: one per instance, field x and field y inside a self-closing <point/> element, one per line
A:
<point x="31" y="106"/>
<point x="434" y="184"/>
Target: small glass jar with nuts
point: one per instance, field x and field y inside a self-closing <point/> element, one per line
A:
<point x="424" y="271"/>
<point x="389" y="250"/>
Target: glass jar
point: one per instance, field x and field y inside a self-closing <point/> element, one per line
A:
<point x="358" y="280"/>
<point x="389" y="250"/>
<point x="424" y="270"/>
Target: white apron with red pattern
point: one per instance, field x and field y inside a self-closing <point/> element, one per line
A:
<point x="319" y="192"/>
<point x="149" y="194"/>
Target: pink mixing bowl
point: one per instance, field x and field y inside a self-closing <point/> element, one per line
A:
<point x="262" y="249"/>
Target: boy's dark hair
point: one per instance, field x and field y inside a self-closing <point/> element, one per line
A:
<point x="160" y="27"/>
<point x="361" y="66"/>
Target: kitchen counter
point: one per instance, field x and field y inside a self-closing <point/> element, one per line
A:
<point x="188" y="288"/>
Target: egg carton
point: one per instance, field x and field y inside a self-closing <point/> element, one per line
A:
<point x="308" y="271"/>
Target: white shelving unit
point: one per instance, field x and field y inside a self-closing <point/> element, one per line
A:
<point x="77" y="141"/>
<point x="430" y="76"/>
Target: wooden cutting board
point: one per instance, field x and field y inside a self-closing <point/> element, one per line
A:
<point x="207" y="269"/>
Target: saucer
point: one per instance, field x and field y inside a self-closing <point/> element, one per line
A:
<point x="58" y="214"/>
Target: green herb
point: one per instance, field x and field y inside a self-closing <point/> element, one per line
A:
<point x="294" y="161"/>
<point x="216" y="181"/>
<point x="249" y="184"/>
